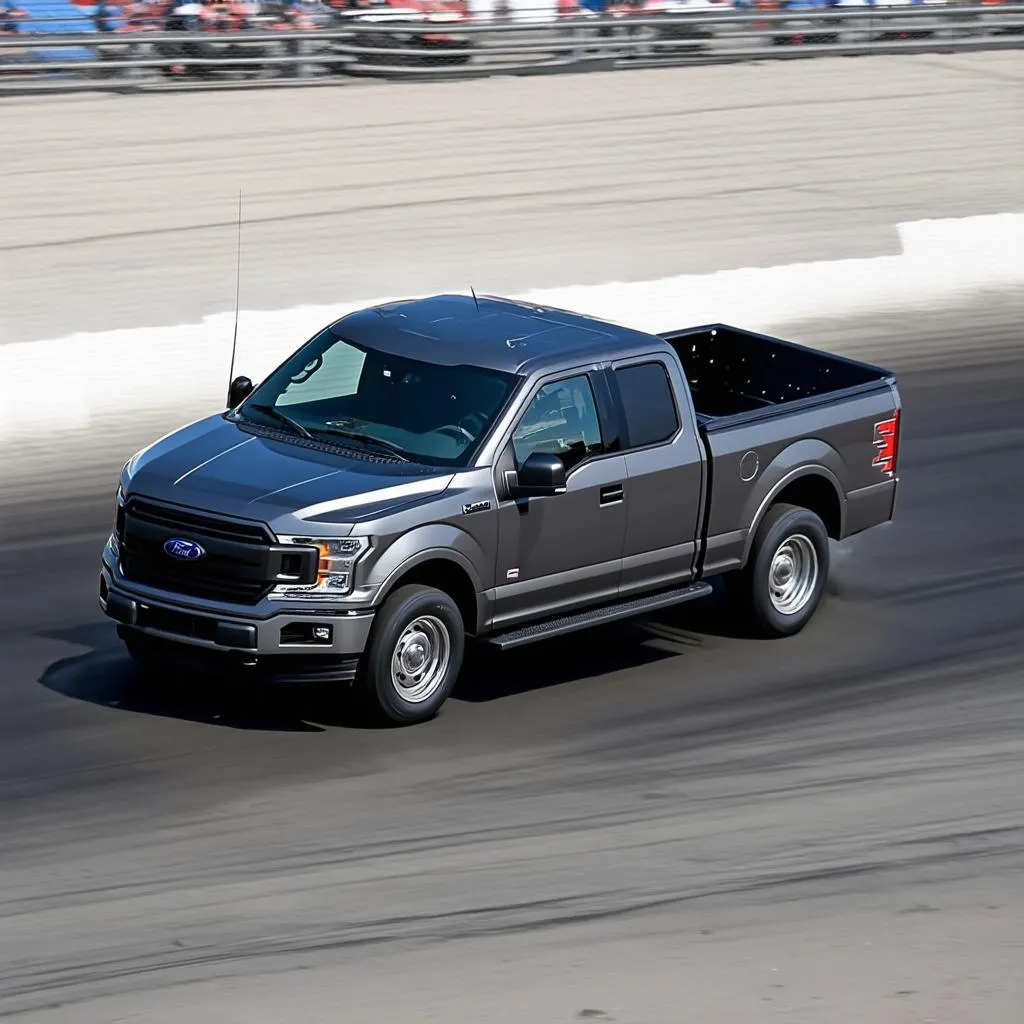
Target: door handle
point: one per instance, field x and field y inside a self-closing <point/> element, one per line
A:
<point x="612" y="494"/>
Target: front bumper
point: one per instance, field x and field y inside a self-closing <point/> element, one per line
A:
<point x="318" y="634"/>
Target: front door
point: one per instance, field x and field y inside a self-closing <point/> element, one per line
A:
<point x="665" y="466"/>
<point x="560" y="550"/>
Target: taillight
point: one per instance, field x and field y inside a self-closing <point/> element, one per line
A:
<point x="887" y="443"/>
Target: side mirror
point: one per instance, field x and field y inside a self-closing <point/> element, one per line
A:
<point x="541" y="476"/>
<point x="238" y="391"/>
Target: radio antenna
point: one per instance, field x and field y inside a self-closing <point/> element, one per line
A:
<point x="238" y="286"/>
<point x="475" y="303"/>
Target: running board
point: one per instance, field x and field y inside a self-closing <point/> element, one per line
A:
<point x="596" y="617"/>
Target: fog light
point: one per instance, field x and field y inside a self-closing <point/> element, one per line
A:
<point x="307" y="633"/>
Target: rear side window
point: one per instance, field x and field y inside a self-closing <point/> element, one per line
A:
<point x="647" y="401"/>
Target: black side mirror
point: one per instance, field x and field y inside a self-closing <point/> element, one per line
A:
<point x="238" y="391"/>
<point x="541" y="475"/>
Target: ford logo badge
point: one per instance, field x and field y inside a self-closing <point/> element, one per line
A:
<point x="186" y="550"/>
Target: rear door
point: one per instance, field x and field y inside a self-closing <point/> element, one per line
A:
<point x="664" y="462"/>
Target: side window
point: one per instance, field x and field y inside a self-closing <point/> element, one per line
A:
<point x="335" y="374"/>
<point x="561" y="420"/>
<point x="650" y="410"/>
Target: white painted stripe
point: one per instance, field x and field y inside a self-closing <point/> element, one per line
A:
<point x="212" y="458"/>
<point x="67" y="383"/>
<point x="298" y="483"/>
<point x="416" y="488"/>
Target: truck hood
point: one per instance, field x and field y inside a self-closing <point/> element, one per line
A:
<point x="214" y="465"/>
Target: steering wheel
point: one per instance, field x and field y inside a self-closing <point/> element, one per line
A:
<point x="477" y="422"/>
<point x="457" y="430"/>
<point x="474" y="419"/>
<point x="308" y="370"/>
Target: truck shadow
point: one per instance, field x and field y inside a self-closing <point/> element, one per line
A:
<point x="490" y="675"/>
<point x="106" y="677"/>
<point x="631" y="644"/>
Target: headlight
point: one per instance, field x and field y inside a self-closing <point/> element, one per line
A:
<point x="335" y="568"/>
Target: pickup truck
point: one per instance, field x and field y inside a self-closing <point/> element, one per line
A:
<point x="454" y="469"/>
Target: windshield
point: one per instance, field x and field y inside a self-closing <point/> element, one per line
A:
<point x="394" y="406"/>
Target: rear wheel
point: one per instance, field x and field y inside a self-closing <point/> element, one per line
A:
<point x="780" y="588"/>
<point x="415" y="653"/>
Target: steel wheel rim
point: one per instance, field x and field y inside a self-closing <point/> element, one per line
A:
<point x="421" y="658"/>
<point x="793" y="574"/>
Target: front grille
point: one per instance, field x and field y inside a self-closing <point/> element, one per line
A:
<point x="240" y="562"/>
<point x="179" y="520"/>
<point x="140" y="571"/>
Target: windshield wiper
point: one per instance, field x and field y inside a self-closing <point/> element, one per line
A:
<point x="354" y="435"/>
<point x="284" y="418"/>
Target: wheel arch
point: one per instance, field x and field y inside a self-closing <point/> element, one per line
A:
<point x="446" y="570"/>
<point x="814" y="487"/>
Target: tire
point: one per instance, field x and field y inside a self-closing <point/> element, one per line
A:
<point x="426" y="624"/>
<point x="793" y="538"/>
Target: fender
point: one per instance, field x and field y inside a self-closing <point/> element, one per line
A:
<point x="433" y="542"/>
<point x="810" y="457"/>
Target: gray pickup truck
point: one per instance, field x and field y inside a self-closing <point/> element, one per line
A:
<point x="423" y="473"/>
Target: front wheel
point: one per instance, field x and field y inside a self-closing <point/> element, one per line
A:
<point x="782" y="584"/>
<point x="415" y="654"/>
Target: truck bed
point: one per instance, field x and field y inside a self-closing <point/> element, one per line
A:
<point x="737" y="376"/>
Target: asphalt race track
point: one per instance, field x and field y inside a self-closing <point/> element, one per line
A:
<point x="657" y="824"/>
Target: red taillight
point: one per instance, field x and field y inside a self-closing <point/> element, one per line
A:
<point x="887" y="443"/>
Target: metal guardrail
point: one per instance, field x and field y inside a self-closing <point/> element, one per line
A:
<point x="409" y="45"/>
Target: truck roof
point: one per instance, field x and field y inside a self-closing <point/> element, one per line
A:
<point x="492" y="332"/>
